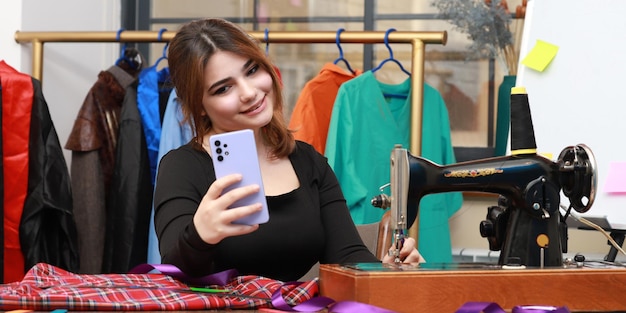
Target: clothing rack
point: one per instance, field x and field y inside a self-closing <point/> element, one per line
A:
<point x="418" y="40"/>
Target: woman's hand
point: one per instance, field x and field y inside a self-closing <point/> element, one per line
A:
<point x="214" y="219"/>
<point x="408" y="253"/>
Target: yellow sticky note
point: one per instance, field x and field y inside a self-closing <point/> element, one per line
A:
<point x="540" y="56"/>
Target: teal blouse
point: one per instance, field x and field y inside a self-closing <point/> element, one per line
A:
<point x="365" y="125"/>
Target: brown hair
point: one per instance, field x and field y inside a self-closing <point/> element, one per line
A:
<point x="188" y="54"/>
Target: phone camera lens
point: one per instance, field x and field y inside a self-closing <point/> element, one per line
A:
<point x="217" y="143"/>
<point x="218" y="150"/>
<point x="225" y="146"/>
<point x="220" y="158"/>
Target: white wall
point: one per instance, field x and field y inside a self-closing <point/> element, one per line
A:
<point x="10" y="21"/>
<point x="69" y="69"/>
<point x="578" y="97"/>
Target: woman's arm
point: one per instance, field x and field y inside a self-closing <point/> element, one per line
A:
<point x="183" y="179"/>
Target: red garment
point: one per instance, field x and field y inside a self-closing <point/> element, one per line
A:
<point x="280" y="76"/>
<point x="46" y="288"/>
<point x="17" y="99"/>
<point x="311" y="114"/>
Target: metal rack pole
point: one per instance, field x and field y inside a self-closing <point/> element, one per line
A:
<point x="418" y="40"/>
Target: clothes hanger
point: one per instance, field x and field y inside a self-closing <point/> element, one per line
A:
<point x="128" y="55"/>
<point x="267" y="42"/>
<point x="394" y="60"/>
<point x="164" y="56"/>
<point x="267" y="54"/>
<point x="390" y="58"/>
<point x="341" y="58"/>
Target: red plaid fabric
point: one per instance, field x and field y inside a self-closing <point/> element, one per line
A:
<point x="46" y="287"/>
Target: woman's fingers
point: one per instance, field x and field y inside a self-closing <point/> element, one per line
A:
<point x="408" y="253"/>
<point x="215" y="215"/>
<point x="217" y="187"/>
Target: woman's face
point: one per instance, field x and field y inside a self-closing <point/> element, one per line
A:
<point x="238" y="93"/>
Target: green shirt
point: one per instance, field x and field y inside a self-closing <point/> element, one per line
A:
<point x="364" y="127"/>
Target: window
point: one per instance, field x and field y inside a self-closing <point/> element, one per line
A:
<point x="469" y="87"/>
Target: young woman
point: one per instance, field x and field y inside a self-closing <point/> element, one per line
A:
<point x="225" y="83"/>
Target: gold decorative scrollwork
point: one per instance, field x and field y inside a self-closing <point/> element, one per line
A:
<point x="474" y="172"/>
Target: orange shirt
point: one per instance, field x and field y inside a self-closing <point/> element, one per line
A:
<point x="311" y="114"/>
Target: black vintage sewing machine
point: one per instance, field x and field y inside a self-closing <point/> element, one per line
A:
<point x="526" y="225"/>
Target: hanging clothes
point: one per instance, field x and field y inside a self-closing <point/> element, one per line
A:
<point x="93" y="140"/>
<point x="38" y="222"/>
<point x="364" y="128"/>
<point x="174" y="133"/>
<point x="130" y="205"/>
<point x="17" y="97"/>
<point x="130" y="200"/>
<point x="153" y="88"/>
<point x="311" y="114"/>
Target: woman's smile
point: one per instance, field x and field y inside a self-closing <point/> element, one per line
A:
<point x="257" y="108"/>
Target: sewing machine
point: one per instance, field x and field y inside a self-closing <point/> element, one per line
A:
<point x="526" y="225"/>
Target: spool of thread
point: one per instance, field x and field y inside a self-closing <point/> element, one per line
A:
<point x="522" y="131"/>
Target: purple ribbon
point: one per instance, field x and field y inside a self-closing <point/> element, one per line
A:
<point x="219" y="278"/>
<point x="492" y="307"/>
<point x="478" y="307"/>
<point x="311" y="305"/>
<point x="319" y="303"/>
<point x="315" y="304"/>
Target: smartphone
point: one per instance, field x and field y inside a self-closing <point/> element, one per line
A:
<point x="235" y="152"/>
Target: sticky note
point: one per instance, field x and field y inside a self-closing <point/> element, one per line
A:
<point x="616" y="178"/>
<point x="540" y="55"/>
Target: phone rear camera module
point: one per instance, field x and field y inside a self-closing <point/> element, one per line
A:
<point x="217" y="143"/>
<point x="218" y="150"/>
<point x="220" y="158"/>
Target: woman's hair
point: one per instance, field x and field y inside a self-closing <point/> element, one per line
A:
<point x="188" y="54"/>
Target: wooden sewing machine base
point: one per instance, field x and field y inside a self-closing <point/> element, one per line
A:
<point x="598" y="287"/>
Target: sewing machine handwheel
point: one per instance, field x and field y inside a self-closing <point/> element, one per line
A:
<point x="579" y="176"/>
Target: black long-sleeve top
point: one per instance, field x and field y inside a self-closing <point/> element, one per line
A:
<point x="309" y="224"/>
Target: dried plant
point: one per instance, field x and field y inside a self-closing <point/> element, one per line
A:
<point x="487" y="25"/>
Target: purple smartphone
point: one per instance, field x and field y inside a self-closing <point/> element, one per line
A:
<point x="235" y="152"/>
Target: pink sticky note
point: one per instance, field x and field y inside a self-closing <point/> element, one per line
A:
<point x="616" y="178"/>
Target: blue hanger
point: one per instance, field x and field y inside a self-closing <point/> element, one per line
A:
<point x="123" y="49"/>
<point x="133" y="61"/>
<point x="267" y="42"/>
<point x="341" y="58"/>
<point x="164" y="56"/>
<point x="390" y="58"/>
